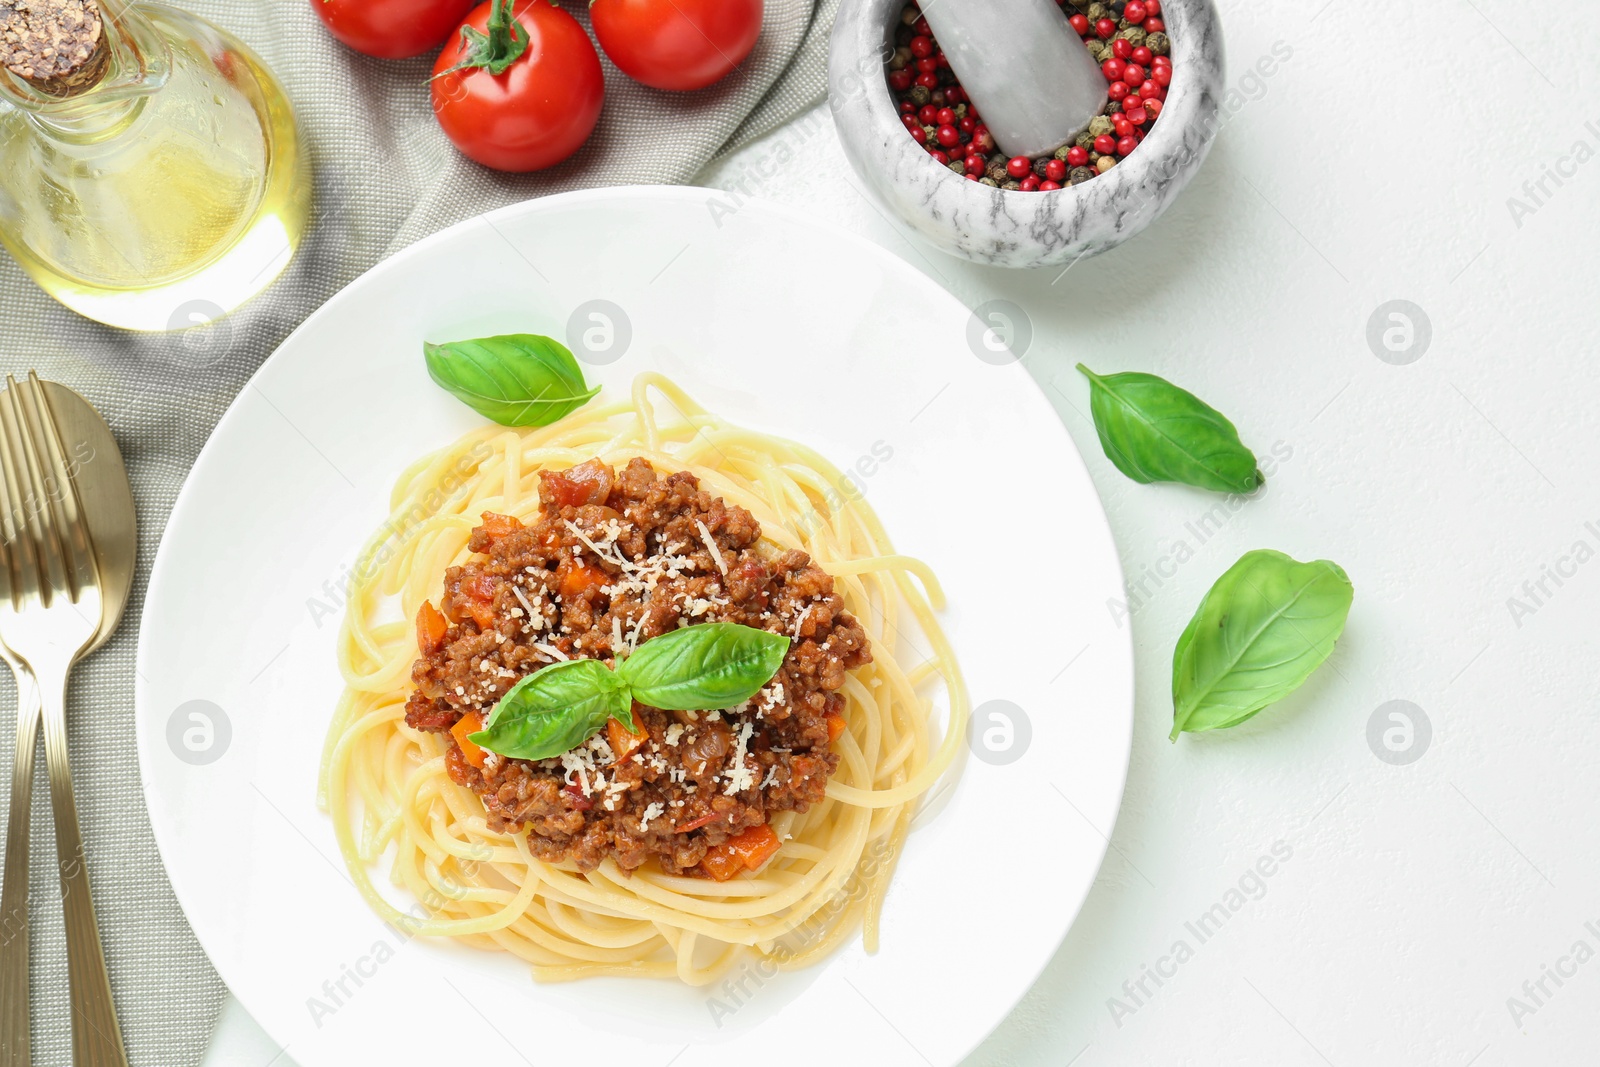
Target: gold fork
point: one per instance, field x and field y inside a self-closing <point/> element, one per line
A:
<point x="16" y="551"/>
<point x="51" y="608"/>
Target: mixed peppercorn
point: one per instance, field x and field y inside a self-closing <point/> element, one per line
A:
<point x="1129" y="40"/>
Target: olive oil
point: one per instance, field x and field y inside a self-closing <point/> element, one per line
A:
<point x="171" y="191"/>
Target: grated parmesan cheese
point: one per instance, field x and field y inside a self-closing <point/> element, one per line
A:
<point x="711" y="546"/>
<point x="578" y="763"/>
<point x="606" y="549"/>
<point x="527" y="605"/>
<point x="739" y="776"/>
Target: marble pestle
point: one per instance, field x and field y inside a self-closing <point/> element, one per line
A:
<point x="1023" y="68"/>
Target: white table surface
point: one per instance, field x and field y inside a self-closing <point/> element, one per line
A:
<point x="1376" y="163"/>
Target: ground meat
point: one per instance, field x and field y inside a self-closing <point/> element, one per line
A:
<point x="611" y="560"/>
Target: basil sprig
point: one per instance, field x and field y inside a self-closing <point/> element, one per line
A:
<point x="707" y="667"/>
<point x="556" y="709"/>
<point x="1156" y="432"/>
<point x="703" y="668"/>
<point x="519" y="379"/>
<point x="1264" y="627"/>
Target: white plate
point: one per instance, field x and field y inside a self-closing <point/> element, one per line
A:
<point x="776" y="321"/>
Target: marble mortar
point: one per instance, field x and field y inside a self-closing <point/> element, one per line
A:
<point x="1017" y="229"/>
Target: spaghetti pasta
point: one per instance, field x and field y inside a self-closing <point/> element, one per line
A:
<point x="393" y="804"/>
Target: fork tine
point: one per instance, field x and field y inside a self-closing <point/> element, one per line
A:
<point x="72" y="532"/>
<point x="52" y="565"/>
<point x="10" y="529"/>
<point x="20" y="525"/>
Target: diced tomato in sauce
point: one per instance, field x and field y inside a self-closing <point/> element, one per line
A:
<point x="497" y="526"/>
<point x="587" y="483"/>
<point x="478" y="600"/>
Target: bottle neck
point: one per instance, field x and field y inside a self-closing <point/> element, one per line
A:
<point x="135" y="65"/>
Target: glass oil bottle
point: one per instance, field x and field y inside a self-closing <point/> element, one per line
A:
<point x="151" y="174"/>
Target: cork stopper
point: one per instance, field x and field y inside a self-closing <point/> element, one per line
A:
<point x="57" y="46"/>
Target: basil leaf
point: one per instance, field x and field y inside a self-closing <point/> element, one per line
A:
<point x="554" y="710"/>
<point x="1156" y="432"/>
<point x="520" y="379"/>
<point x="1267" y="624"/>
<point x="708" y="667"/>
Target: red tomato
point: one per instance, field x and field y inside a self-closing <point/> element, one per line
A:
<point x="676" y="44"/>
<point x="392" y="29"/>
<point x="544" y="103"/>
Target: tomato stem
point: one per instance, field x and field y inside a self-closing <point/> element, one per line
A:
<point x="496" y="50"/>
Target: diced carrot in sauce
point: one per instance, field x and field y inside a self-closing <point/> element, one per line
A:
<point x="470" y="723"/>
<point x="497" y="526"/>
<point x="580" y="578"/>
<point x="746" y="852"/>
<point x="722" y="863"/>
<point x="696" y="824"/>
<point x="835" y="726"/>
<point x="624" y="744"/>
<point x="431" y="627"/>
<point x="757" y="845"/>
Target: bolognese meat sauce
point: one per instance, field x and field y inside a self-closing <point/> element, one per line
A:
<point x="611" y="560"/>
